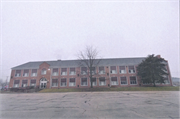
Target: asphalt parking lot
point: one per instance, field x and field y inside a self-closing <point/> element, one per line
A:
<point x="91" y="105"/>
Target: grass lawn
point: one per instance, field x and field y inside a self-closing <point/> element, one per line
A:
<point x="111" y="89"/>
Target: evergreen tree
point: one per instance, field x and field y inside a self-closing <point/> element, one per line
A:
<point x="152" y="70"/>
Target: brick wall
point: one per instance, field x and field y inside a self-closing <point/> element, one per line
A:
<point x="77" y="77"/>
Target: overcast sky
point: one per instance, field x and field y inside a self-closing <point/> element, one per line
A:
<point x="50" y="30"/>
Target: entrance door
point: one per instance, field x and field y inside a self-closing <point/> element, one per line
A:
<point x="43" y="83"/>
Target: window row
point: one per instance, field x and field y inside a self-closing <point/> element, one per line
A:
<point x="72" y="71"/>
<point x="123" y="80"/>
<point x="113" y="70"/>
<point x="26" y="73"/>
<point x="72" y="82"/>
<point x="102" y="81"/>
<point x="24" y="83"/>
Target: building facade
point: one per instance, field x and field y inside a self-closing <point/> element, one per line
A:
<point x="115" y="72"/>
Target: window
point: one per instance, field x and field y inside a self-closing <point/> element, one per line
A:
<point x="94" y="81"/>
<point x="166" y="80"/>
<point x="33" y="82"/>
<point x="102" y="81"/>
<point x="123" y="80"/>
<point x="63" y="82"/>
<point x="101" y="70"/>
<point x="16" y="83"/>
<point x="113" y="70"/>
<point x="43" y="79"/>
<point x="55" y="72"/>
<point x="26" y="73"/>
<point x="165" y="68"/>
<point x="18" y="73"/>
<point x="93" y="69"/>
<point x="72" y="71"/>
<point x="34" y="72"/>
<point x="84" y="82"/>
<point x="114" y="81"/>
<point x="146" y="83"/>
<point x="24" y="83"/>
<point x="83" y="70"/>
<point x="72" y="82"/>
<point x="157" y="82"/>
<point x="131" y="69"/>
<point x="54" y="82"/>
<point x="63" y="71"/>
<point x="122" y="69"/>
<point x="43" y="72"/>
<point x="133" y="80"/>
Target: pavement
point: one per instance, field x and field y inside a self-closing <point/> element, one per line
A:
<point x="91" y="105"/>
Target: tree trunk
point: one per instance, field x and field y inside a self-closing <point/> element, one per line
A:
<point x="91" y="76"/>
<point x="154" y="83"/>
<point x="91" y="81"/>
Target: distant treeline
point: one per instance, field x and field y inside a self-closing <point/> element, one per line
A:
<point x="175" y="79"/>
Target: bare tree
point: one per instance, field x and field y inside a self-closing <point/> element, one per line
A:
<point x="89" y="58"/>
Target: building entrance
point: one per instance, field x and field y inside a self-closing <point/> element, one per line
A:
<point x="43" y="83"/>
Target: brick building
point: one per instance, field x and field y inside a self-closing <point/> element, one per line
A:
<point x="114" y="72"/>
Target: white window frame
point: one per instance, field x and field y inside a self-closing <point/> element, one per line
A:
<point x="42" y="71"/>
<point x="26" y="73"/>
<point x="33" y="83"/>
<point x="126" y="81"/>
<point x="117" y="83"/>
<point x="166" y="82"/>
<point x="66" y="82"/>
<point x="146" y="83"/>
<point x="166" y="67"/>
<point x="18" y="73"/>
<point x="120" y="71"/>
<point x="87" y="82"/>
<point x="74" y="82"/>
<point x="53" y="83"/>
<point x="113" y="71"/>
<point x="130" y="80"/>
<point x="56" y="73"/>
<point x="93" y="71"/>
<point x="23" y="84"/>
<point x="16" y="85"/>
<point x="131" y="71"/>
<point x="84" y="72"/>
<point x="157" y="83"/>
<point x="70" y="71"/>
<point x="92" y="82"/>
<point x="102" y="71"/>
<point x="64" y="73"/>
<point x="104" y="81"/>
<point x="33" y="73"/>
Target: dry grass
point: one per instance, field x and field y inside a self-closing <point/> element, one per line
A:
<point x="111" y="89"/>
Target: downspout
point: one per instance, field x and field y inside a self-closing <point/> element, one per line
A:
<point x="50" y="77"/>
<point x="170" y="79"/>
